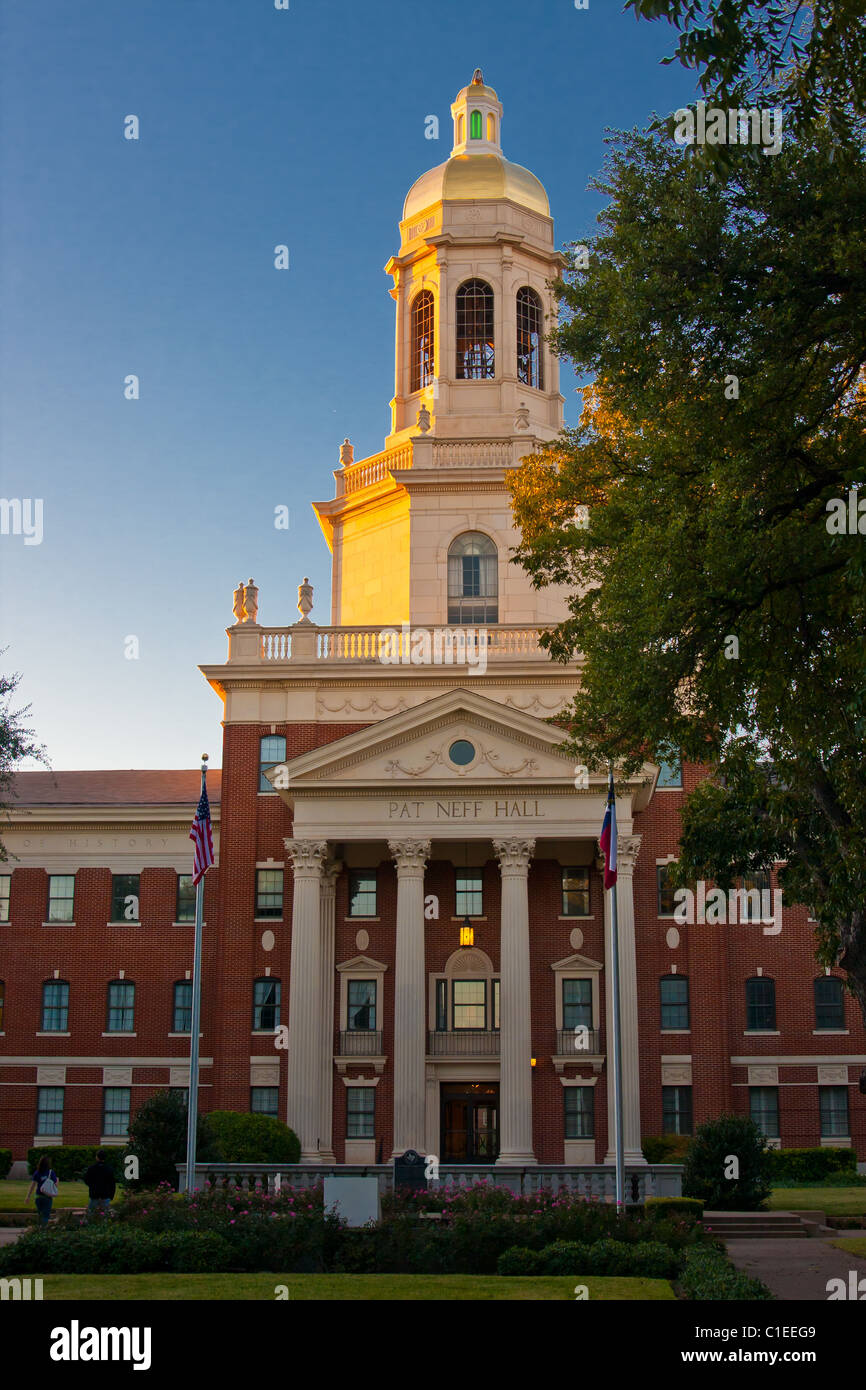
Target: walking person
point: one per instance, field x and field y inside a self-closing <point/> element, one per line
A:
<point x="100" y="1184"/>
<point x="46" y="1183"/>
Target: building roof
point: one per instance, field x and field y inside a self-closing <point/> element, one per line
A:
<point x="125" y="787"/>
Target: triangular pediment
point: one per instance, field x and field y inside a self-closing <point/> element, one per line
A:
<point x="577" y="962"/>
<point x="362" y="963"/>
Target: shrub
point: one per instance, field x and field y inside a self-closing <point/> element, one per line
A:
<point x="666" y="1148"/>
<point x="71" y="1161"/>
<point x="682" y="1206"/>
<point x="715" y="1143"/>
<point x="810" y="1165"/>
<point x="157" y="1138"/>
<point x="709" y="1274"/>
<point x="6" y="1162"/>
<point x="565" y="1257"/>
<point x="518" y="1260"/>
<point x="242" y="1138"/>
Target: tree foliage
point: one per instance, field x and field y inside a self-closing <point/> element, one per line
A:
<point x="17" y="742"/>
<point x="243" y="1138"/>
<point x="728" y="1165"/>
<point x="157" y="1137"/>
<point x="724" y="318"/>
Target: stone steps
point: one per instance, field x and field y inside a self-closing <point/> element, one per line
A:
<point x="757" y="1225"/>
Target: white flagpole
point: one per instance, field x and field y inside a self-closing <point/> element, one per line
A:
<point x="192" y="1099"/>
<point x="616" y="1026"/>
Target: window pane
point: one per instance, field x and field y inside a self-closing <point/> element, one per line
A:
<point x="115" y="1118"/>
<point x="579" y="1112"/>
<point x="670" y="772"/>
<point x="495" y="1004"/>
<point x="468" y="900"/>
<point x="665" y="888"/>
<point x="441" y="1006"/>
<point x="829" y="1003"/>
<point x="422" y="367"/>
<point x="475" y="354"/>
<point x="764" y="1109"/>
<point x="360" y="1102"/>
<point x="182" y="1022"/>
<point x="676" y="1109"/>
<point x="265" y="1100"/>
<point x="469" y="1003"/>
<point x="751" y="905"/>
<point x="834" y="1112"/>
<point x="269" y="892"/>
<point x="5" y="888"/>
<point x="674" y="990"/>
<point x="760" y="1004"/>
<point x="272" y="749"/>
<point x="577" y="1003"/>
<point x="575" y="892"/>
<point x="266" y="1006"/>
<point x="362" y="893"/>
<point x="121" y="1007"/>
<point x="124" y="897"/>
<point x="185" y="899"/>
<point x="529" y="344"/>
<point x="61" y="897"/>
<point x="362" y="1005"/>
<point x="475" y="125"/>
<point x="55" y="1006"/>
<point x="473" y="579"/>
<point x="49" y="1110"/>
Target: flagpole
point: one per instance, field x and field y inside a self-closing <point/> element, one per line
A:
<point x="616" y="1026"/>
<point x="192" y="1100"/>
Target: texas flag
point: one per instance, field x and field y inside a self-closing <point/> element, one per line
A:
<point x="607" y="839"/>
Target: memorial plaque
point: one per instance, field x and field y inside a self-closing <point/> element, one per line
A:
<point x="409" y="1171"/>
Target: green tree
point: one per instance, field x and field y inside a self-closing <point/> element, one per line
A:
<point x="244" y="1138"/>
<point x="157" y="1138"/>
<point x="718" y="612"/>
<point x="17" y="742"/>
<point x="728" y="1165"/>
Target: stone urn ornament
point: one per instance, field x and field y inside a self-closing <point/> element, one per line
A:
<point x="305" y="600"/>
<point x="251" y="602"/>
<point x="238" y="605"/>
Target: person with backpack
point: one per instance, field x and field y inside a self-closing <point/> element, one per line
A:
<point x="100" y="1184"/>
<point x="46" y="1184"/>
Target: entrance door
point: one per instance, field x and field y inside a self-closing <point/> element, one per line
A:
<point x="469" y="1122"/>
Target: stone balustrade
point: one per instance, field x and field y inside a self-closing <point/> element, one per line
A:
<point x="388" y="646"/>
<point x="428" y="452"/>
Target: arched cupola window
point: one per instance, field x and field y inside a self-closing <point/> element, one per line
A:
<point x="475" y="125"/>
<point x="475" y="348"/>
<point x="491" y="128"/>
<point x="530" y="361"/>
<point x="423" y="360"/>
<point x="473" y="581"/>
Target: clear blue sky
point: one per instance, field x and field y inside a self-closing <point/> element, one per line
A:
<point x="155" y="257"/>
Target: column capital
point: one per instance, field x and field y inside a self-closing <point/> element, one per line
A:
<point x="307" y="856"/>
<point x="514" y="855"/>
<point x="330" y="874"/>
<point x="627" y="851"/>
<point x="410" y="856"/>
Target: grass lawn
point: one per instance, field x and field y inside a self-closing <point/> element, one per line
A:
<point x="71" y="1194"/>
<point x="855" y="1246"/>
<point x="337" y="1287"/>
<point x="833" y="1201"/>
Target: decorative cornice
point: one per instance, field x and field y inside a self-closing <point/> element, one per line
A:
<point x="410" y="856"/>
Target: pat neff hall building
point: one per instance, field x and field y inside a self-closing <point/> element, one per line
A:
<point x="407" y="889"/>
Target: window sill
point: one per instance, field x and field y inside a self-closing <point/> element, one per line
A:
<point x="675" y="1030"/>
<point x="177" y="1035"/>
<point x="830" y="1032"/>
<point x="576" y="917"/>
<point x="471" y="916"/>
<point x="272" y="793"/>
<point x="265" y="921"/>
<point x="46" y="1141"/>
<point x="120" y="1035"/>
<point x="127" y="922"/>
<point x="115" y="1141"/>
<point x="362" y="919"/>
<point x="58" y="924"/>
<point x="256" y="1033"/>
<point x="762" y="1033"/>
<point x="190" y="922"/>
<point x="53" y="1034"/>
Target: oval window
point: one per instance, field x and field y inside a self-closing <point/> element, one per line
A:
<point x="462" y="752"/>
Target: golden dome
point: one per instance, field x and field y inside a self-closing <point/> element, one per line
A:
<point x="468" y="176"/>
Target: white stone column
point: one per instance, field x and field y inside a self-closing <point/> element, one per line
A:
<point x="515" y="1085"/>
<point x="410" y="997"/>
<point x="627" y="852"/>
<point x="305" y="997"/>
<point x="326" y="939"/>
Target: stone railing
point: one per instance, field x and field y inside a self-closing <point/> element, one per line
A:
<point x="360" y="1042"/>
<point x="429" y="452"/>
<point x="372" y="470"/>
<point x="595" y="1182"/>
<point x="464" y="1042"/>
<point x="454" y="645"/>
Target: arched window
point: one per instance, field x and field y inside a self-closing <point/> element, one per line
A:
<point x="530" y="362"/>
<point x="475" y="125"/>
<point x="760" y="1004"/>
<point x="55" y="1006"/>
<point x="459" y="130"/>
<point x="266" y="1006"/>
<point x="491" y="128"/>
<point x="272" y="750"/>
<point x="423" y="362"/>
<point x="473" y="581"/>
<point x="475" y="358"/>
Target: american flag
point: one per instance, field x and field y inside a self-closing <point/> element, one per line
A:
<point x="201" y="836"/>
<point x="607" y="839"/>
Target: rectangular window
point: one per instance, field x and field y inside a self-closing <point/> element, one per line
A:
<point x="676" y="1109"/>
<point x="49" y="1110"/>
<point x="834" y="1112"/>
<point x="55" y="1006"/>
<point x="272" y="750"/>
<point x="2" y="1003"/>
<point x="5" y="888"/>
<point x="764" y="1109"/>
<point x="674" y="990"/>
<point x="469" y="895"/>
<point x="579" y="1112"/>
<point x="266" y="1006"/>
<point x="441" y="1006"/>
<point x="121" y="1009"/>
<point x="265" y="1100"/>
<point x="182" y="1020"/>
<point x="269" y="892"/>
<point x="182" y="1091"/>
<point x="115" y="1113"/>
<point x="496" y="1005"/>
<point x="469" y="1003"/>
<point x="575" y="892"/>
<point x="576" y="1004"/>
<point x="665" y="890"/>
<point x="362" y="893"/>
<point x="61" y="897"/>
<point x="829" y="1003"/>
<point x="124" y="897"/>
<point x="753" y="886"/>
<point x="670" y="772"/>
<point x="185" y="906"/>
<point x="362" y="1005"/>
<point x="760" y="1004"/>
<point x="360" y="1112"/>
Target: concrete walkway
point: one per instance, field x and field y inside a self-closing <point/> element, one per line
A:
<point x="795" y="1269"/>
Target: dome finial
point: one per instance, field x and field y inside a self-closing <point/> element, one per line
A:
<point x="478" y="78"/>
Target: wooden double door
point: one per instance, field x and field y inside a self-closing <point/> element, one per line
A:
<point x="469" y="1122"/>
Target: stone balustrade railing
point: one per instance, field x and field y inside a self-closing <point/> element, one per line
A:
<point x="595" y="1182"/>
<point x="428" y="452"/>
<point x="404" y="645"/>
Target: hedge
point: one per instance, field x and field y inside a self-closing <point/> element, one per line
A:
<point x="709" y="1275"/>
<point x="71" y="1161"/>
<point x="645" y="1259"/>
<point x="670" y="1206"/>
<point x="810" y="1165"/>
<point x="5" y="1162"/>
<point x="666" y="1148"/>
<point x="114" y="1251"/>
<point x="245" y="1138"/>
